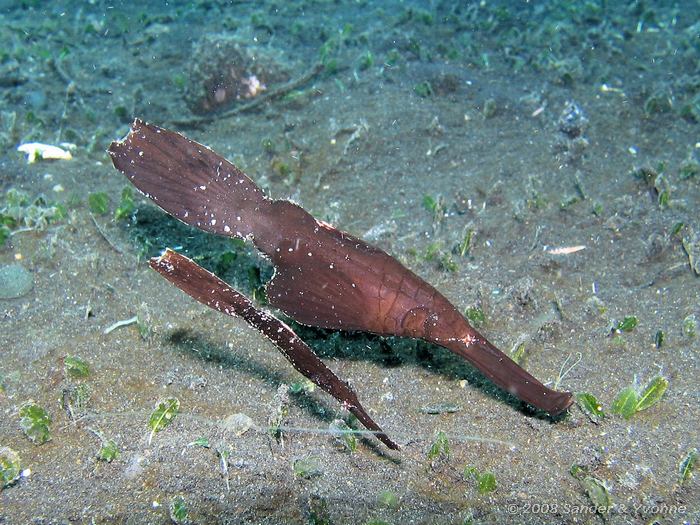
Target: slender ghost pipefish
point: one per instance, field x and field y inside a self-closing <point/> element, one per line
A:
<point x="323" y="277"/>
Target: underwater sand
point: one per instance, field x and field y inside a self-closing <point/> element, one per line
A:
<point x="538" y="128"/>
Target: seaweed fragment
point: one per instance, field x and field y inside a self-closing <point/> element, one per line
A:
<point x="685" y="469"/>
<point x="630" y="401"/>
<point x="440" y="447"/>
<point x="165" y="413"/>
<point x="590" y="406"/>
<point x="324" y="277"/>
<point x="9" y="467"/>
<point x="35" y="422"/>
<point x="485" y="481"/>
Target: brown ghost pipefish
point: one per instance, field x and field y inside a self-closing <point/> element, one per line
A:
<point x="323" y="277"/>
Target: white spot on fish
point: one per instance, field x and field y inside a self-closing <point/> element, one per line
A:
<point x="468" y="340"/>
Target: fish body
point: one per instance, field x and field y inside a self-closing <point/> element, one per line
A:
<point x="323" y="277"/>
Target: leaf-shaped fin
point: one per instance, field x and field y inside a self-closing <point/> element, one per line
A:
<point x="188" y="180"/>
<point x="208" y="289"/>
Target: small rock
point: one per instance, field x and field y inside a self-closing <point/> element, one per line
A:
<point x="238" y="423"/>
<point x="308" y="468"/>
<point x="572" y="121"/>
<point x="523" y="292"/>
<point x="691" y="245"/>
<point x="440" y="408"/>
<point x="225" y="70"/>
<point x="15" y="281"/>
<point x="655" y="246"/>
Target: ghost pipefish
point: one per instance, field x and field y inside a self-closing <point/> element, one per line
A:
<point x="323" y="277"/>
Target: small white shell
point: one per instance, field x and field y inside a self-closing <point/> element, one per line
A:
<point x="38" y="151"/>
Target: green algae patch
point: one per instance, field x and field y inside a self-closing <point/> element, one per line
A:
<point x="308" y="468"/>
<point x="685" y="469"/>
<point x="127" y="207"/>
<point x="35" y="422"/>
<point x="164" y="414"/>
<point x="202" y="442"/>
<point x="9" y="467"/>
<point x="628" y="324"/>
<point x="652" y="394"/>
<point x="303" y="386"/>
<point x="476" y="316"/>
<point x="75" y="399"/>
<point x="659" y="339"/>
<point x="75" y="367"/>
<point x="15" y="281"/>
<point x="590" y="406"/>
<point x="388" y="499"/>
<point x="98" y="203"/>
<point x="595" y="489"/>
<point x="597" y="492"/>
<point x="485" y="481"/>
<point x="344" y="436"/>
<point x="629" y="401"/>
<point x="625" y="403"/>
<point x="440" y="447"/>
<point x="109" y="451"/>
<point x="690" y="326"/>
<point x="178" y="510"/>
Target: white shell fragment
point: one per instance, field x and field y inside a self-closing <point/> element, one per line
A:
<point x="565" y="250"/>
<point x="38" y="151"/>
